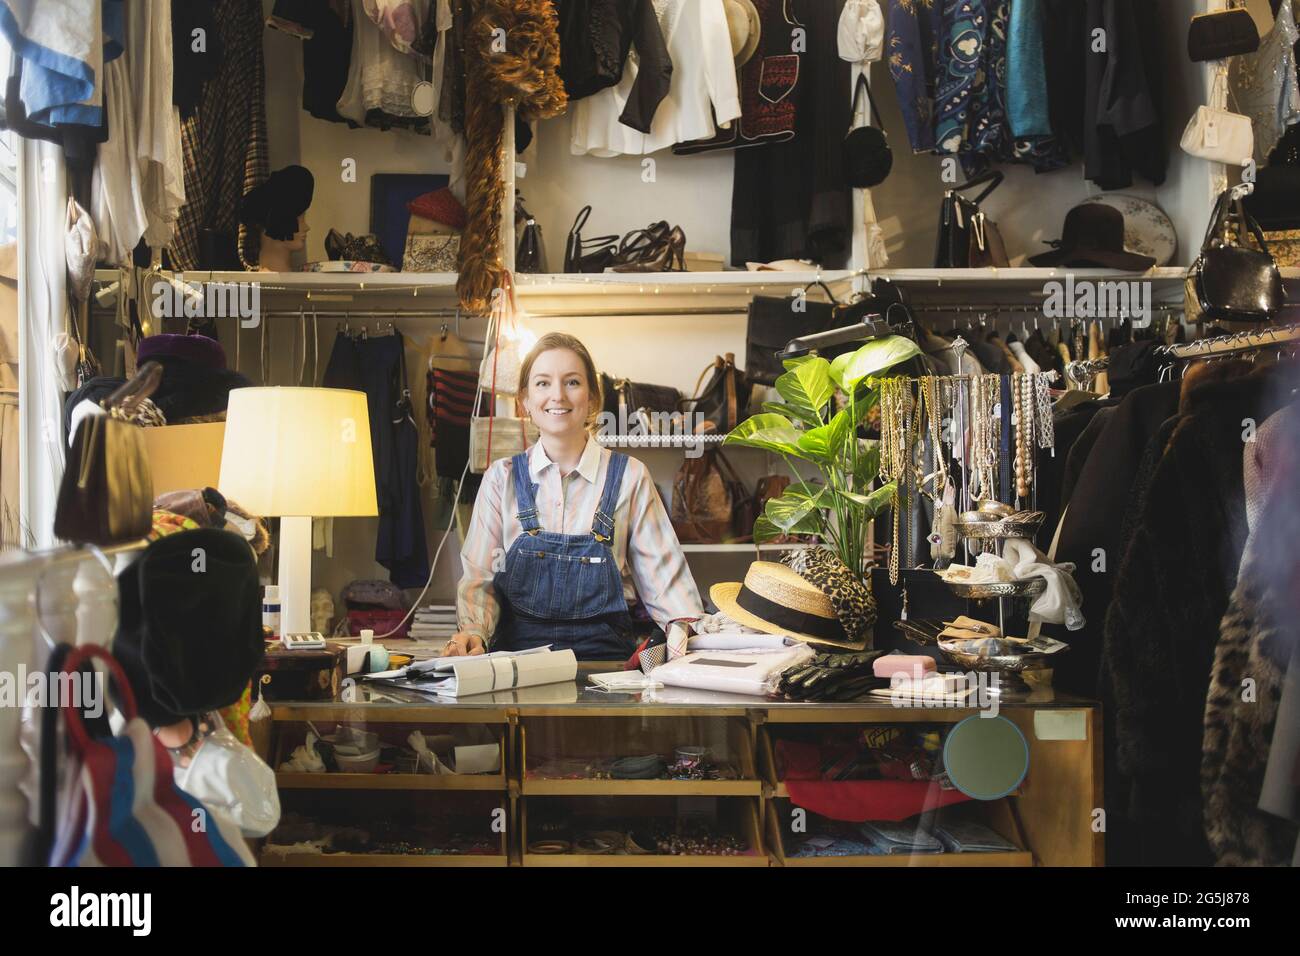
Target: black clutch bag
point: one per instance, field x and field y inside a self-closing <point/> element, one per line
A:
<point x="1235" y="283"/>
<point x="1224" y="33"/>
<point x="638" y="395"/>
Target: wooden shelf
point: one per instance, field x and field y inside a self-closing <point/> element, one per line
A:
<point x="541" y="787"/>
<point x="389" y="781"/>
<point x="268" y="858"/>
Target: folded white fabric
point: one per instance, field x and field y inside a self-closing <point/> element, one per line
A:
<point x="861" y="31"/>
<point x="1020" y="561"/>
<point x="719" y="623"/>
<point x="755" y="673"/>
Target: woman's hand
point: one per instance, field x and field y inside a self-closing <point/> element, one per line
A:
<point x="463" y="644"/>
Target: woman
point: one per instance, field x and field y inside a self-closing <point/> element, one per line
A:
<point x="584" y="528"/>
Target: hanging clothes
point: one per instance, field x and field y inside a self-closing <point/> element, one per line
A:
<point x="790" y="199"/>
<point x="1172" y="590"/>
<point x="224" y="144"/>
<point x="596" y="38"/>
<point x="381" y="80"/>
<point x="10" y="516"/>
<point x="1265" y="85"/>
<point x="326" y="57"/>
<point x="702" y="88"/>
<point x="1027" y="100"/>
<point x="376" y="366"/>
<point x="400" y="21"/>
<point x="912" y="42"/>
<point x="117" y="190"/>
<point x="1252" y="651"/>
<point x="196" y="52"/>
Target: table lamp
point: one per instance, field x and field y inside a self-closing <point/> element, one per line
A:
<point x="298" y="454"/>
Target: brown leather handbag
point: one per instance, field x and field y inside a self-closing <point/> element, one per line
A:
<point x="707" y="496"/>
<point x="721" y="404"/>
<point x="106" y="496"/>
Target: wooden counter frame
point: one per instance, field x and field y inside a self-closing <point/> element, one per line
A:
<point x="1051" y="816"/>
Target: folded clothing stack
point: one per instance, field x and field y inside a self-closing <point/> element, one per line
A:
<point x="909" y="838"/>
<point x="433" y="621"/>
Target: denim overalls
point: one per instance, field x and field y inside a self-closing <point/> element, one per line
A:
<point x="564" y="589"/>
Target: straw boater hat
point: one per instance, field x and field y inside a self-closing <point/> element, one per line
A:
<point x="776" y="600"/>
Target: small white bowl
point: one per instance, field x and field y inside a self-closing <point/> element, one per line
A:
<point x="364" y="763"/>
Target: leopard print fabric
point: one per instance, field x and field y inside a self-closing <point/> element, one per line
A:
<point x="1239" y="723"/>
<point x="854" y="603"/>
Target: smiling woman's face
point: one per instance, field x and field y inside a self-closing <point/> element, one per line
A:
<point x="557" y="395"/>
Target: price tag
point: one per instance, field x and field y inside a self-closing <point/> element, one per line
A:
<point x="1211" y="135"/>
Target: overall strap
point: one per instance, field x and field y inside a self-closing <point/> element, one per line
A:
<point x="525" y="492"/>
<point x="602" y="522"/>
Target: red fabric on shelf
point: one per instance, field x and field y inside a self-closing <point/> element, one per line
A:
<point x="856" y="801"/>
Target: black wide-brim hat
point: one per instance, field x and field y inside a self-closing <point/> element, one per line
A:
<point x="276" y="204"/>
<point x="1093" y="235"/>
<point x="190" y="631"/>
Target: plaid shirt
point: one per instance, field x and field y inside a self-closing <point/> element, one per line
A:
<point x="224" y="142"/>
<point x="645" y="546"/>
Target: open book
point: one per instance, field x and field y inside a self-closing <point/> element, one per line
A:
<point x="454" y="677"/>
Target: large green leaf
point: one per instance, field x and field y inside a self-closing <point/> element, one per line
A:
<point x="765" y="531"/>
<point x="807" y="385"/>
<point x="872" y="358"/>
<point x="827" y="443"/>
<point x="769" y="432"/>
<point x="792" y="413"/>
<point x="868" y="467"/>
<point x="796" y="511"/>
<point x="878" y="500"/>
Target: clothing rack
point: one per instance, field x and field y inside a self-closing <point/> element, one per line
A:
<point x="1233" y="343"/>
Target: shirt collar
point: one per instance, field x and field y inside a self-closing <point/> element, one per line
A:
<point x="588" y="464"/>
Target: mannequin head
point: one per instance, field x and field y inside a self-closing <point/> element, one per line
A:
<point x="275" y="214"/>
<point x="559" y="386"/>
<point x="276" y="255"/>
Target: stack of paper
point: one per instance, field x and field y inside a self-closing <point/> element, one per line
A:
<point x="434" y="621"/>
<point x="454" y="677"/>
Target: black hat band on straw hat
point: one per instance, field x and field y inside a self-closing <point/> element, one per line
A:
<point x="799" y="622"/>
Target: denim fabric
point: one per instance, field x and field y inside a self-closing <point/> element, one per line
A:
<point x="564" y="589"/>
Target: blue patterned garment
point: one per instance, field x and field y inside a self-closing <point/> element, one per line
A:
<point x="961" y="62"/>
<point x="912" y="42"/>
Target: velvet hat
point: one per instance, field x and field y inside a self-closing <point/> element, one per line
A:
<point x="442" y="206"/>
<point x="190" y="629"/>
<point x="276" y="204"/>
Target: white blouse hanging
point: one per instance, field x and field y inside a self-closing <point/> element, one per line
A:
<point x="379" y="77"/>
<point x="703" y="86"/>
<point x="861" y="31"/>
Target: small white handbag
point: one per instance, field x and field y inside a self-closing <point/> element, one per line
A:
<point x="1219" y="135"/>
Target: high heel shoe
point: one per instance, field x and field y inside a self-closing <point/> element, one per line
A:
<point x="640" y="243"/>
<point x="661" y="256"/>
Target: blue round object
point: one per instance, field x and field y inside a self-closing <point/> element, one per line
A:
<point x="986" y="757"/>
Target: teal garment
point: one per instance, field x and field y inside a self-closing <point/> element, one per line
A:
<point x="1027" y="72"/>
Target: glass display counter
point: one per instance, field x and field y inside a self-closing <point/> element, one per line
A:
<point x="670" y="777"/>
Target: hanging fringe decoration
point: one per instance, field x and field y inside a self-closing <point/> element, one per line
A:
<point x="513" y="57"/>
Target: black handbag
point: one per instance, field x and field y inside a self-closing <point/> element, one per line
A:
<point x="867" y="156"/>
<point x="1235" y="283"/>
<point x="721" y="404"/>
<point x="1223" y="33"/>
<point x="638" y="395"/>
<point x="588" y="255"/>
<point x="957" y="218"/>
<point x="773" y="322"/>
<point x="528" y="255"/>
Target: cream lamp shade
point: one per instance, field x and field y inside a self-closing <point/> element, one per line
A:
<point x="299" y="452"/>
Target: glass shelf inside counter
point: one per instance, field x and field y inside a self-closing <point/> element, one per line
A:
<point x="638" y="755"/>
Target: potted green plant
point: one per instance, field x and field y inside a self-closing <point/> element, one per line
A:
<point x="807" y="427"/>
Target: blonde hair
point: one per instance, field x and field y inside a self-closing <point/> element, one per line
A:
<point x="563" y="340"/>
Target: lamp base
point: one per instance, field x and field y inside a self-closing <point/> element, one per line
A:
<point x="295" y="575"/>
